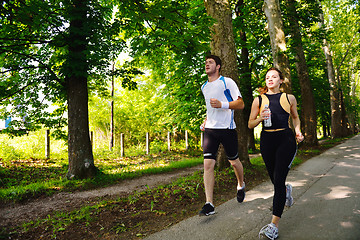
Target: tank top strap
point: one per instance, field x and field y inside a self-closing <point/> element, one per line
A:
<point x="285" y="102"/>
<point x="263" y="100"/>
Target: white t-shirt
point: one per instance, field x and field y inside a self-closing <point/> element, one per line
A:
<point x="220" y="118"/>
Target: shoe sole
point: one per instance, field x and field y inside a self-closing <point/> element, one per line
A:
<point x="263" y="235"/>
<point x="206" y="214"/>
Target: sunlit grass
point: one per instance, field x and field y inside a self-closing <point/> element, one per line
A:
<point x="30" y="146"/>
<point x="24" y="176"/>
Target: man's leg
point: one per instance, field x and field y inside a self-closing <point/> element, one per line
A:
<point x="210" y="146"/>
<point x="239" y="171"/>
<point x="209" y="179"/>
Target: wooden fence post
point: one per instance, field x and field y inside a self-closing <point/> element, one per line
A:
<point x="122" y="151"/>
<point x="147" y="143"/>
<point x="169" y="141"/>
<point x="186" y="140"/>
<point x="47" y="144"/>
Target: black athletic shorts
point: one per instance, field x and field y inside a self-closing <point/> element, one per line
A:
<point x="213" y="138"/>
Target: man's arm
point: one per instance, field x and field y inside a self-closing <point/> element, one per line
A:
<point x="237" y="104"/>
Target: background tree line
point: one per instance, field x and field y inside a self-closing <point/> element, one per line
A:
<point x="60" y="53"/>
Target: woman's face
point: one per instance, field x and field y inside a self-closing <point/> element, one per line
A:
<point x="273" y="80"/>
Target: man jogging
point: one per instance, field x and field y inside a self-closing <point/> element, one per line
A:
<point x="222" y="97"/>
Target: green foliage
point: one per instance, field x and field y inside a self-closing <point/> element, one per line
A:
<point x="252" y="21"/>
<point x="35" y="43"/>
<point x="342" y="20"/>
<point x="147" y="109"/>
<point x="170" y="38"/>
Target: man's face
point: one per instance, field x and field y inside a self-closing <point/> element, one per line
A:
<point x="210" y="66"/>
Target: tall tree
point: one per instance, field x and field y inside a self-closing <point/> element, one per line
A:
<point x="308" y="112"/>
<point x="81" y="161"/>
<point x="277" y="38"/>
<point x="55" y="53"/>
<point x="223" y="45"/>
<point x="336" y="123"/>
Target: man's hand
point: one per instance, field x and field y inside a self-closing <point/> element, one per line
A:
<point x="215" y="103"/>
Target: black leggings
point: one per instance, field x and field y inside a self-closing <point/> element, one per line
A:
<point x="278" y="150"/>
<point x="213" y="138"/>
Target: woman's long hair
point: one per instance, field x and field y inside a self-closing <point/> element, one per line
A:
<point x="264" y="89"/>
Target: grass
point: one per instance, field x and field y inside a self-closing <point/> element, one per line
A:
<point x="25" y="173"/>
<point x="23" y="179"/>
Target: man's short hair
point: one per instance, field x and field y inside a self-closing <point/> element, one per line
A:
<point x="216" y="59"/>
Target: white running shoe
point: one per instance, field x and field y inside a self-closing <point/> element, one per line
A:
<point x="289" y="199"/>
<point x="270" y="231"/>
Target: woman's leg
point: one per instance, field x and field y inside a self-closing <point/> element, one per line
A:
<point x="285" y="154"/>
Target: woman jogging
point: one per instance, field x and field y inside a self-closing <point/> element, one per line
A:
<point x="277" y="142"/>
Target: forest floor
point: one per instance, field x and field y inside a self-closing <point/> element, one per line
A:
<point x="116" y="218"/>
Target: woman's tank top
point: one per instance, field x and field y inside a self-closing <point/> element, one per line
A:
<point x="279" y="105"/>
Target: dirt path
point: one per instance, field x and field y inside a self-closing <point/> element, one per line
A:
<point x="12" y="215"/>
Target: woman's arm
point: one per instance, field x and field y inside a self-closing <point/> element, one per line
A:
<point x="295" y="118"/>
<point x="254" y="120"/>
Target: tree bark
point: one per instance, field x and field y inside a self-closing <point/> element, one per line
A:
<point x="272" y="12"/>
<point x="223" y="45"/>
<point x="81" y="162"/>
<point x="308" y="111"/>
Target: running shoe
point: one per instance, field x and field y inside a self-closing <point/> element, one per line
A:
<point x="289" y="199"/>
<point x="241" y="194"/>
<point x="270" y="231"/>
<point x="207" y="209"/>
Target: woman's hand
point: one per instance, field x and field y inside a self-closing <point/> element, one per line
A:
<point x="299" y="137"/>
<point x="265" y="114"/>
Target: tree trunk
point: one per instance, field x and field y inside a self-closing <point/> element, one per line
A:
<point x="112" y="126"/>
<point x="223" y="45"/>
<point x="336" y="129"/>
<point x="345" y="124"/>
<point x="81" y="162"/>
<point x="245" y="76"/>
<point x="308" y="111"/>
<point x="324" y="127"/>
<point x="272" y="12"/>
<point x="353" y="114"/>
